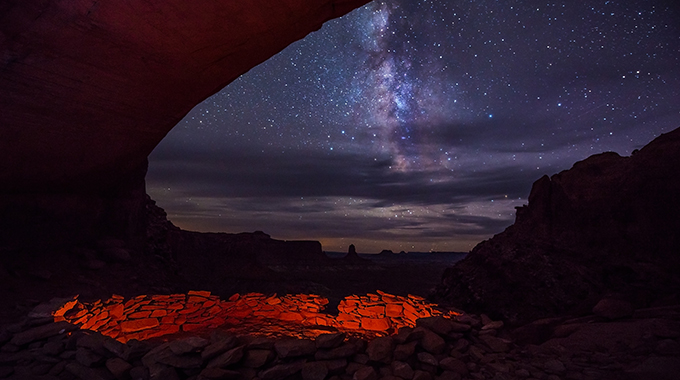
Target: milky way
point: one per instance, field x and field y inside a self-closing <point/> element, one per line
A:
<point x="420" y="125"/>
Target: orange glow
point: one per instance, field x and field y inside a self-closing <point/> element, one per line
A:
<point x="299" y="315"/>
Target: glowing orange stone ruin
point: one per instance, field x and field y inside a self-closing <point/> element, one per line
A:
<point x="298" y="315"/>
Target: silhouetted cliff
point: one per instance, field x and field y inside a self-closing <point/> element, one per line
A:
<point x="606" y="227"/>
<point x="88" y="89"/>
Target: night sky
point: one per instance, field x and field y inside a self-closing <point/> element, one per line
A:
<point x="420" y="125"/>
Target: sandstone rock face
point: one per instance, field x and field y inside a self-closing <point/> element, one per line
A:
<point x="89" y="88"/>
<point x="608" y="224"/>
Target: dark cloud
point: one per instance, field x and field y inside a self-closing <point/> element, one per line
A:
<point x="313" y="174"/>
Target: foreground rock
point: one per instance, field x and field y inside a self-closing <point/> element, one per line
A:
<point x="469" y="347"/>
<point x="604" y="230"/>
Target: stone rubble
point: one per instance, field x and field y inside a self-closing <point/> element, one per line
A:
<point x="463" y="347"/>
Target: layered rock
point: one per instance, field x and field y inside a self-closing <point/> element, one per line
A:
<point x="291" y="315"/>
<point x="607" y="227"/>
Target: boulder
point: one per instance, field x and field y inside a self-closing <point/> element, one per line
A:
<point x="281" y="371"/>
<point x="380" y="349"/>
<point x="294" y="347"/>
<point x="329" y="340"/>
<point x="42" y="332"/>
<point x="314" y="371"/>
<point x="228" y="358"/>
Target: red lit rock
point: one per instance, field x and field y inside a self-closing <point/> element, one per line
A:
<point x="139" y="315"/>
<point x="192" y="326"/>
<point x="291" y="316"/>
<point x="375" y="324"/>
<point x="115" y="311"/>
<point x="200" y="293"/>
<point x="394" y="310"/>
<point x="178" y="313"/>
<point x="180" y="320"/>
<point x="158" y="313"/>
<point x="375" y="311"/>
<point x="138" y="324"/>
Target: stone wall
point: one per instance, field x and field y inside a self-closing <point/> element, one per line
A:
<point x="301" y="315"/>
<point x="465" y="347"/>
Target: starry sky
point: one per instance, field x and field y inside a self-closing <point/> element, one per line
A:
<point x="419" y="125"/>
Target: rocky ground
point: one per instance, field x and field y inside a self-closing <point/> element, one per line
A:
<point x="583" y="286"/>
<point x="643" y="345"/>
<point x="613" y="341"/>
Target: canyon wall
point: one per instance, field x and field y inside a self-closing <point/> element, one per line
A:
<point x="606" y="228"/>
<point x="88" y="88"/>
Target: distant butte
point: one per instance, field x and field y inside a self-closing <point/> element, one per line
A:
<point x="604" y="230"/>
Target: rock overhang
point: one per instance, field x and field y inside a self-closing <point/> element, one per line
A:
<point x="89" y="88"/>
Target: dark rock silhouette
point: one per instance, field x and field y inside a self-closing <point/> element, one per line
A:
<point x="353" y="258"/>
<point x="608" y="224"/>
<point x="88" y="89"/>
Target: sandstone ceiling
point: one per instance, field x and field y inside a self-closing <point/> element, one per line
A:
<point x="89" y="88"/>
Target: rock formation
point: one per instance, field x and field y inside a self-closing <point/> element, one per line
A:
<point x="352" y="255"/>
<point x="606" y="228"/>
<point x="89" y="88"/>
<point x="463" y="347"/>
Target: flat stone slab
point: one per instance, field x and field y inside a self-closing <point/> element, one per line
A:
<point x="42" y="332"/>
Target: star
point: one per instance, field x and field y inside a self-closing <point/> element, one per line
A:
<point x="435" y="107"/>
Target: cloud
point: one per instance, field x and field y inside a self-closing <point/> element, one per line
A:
<point x="227" y="174"/>
<point x="314" y="195"/>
